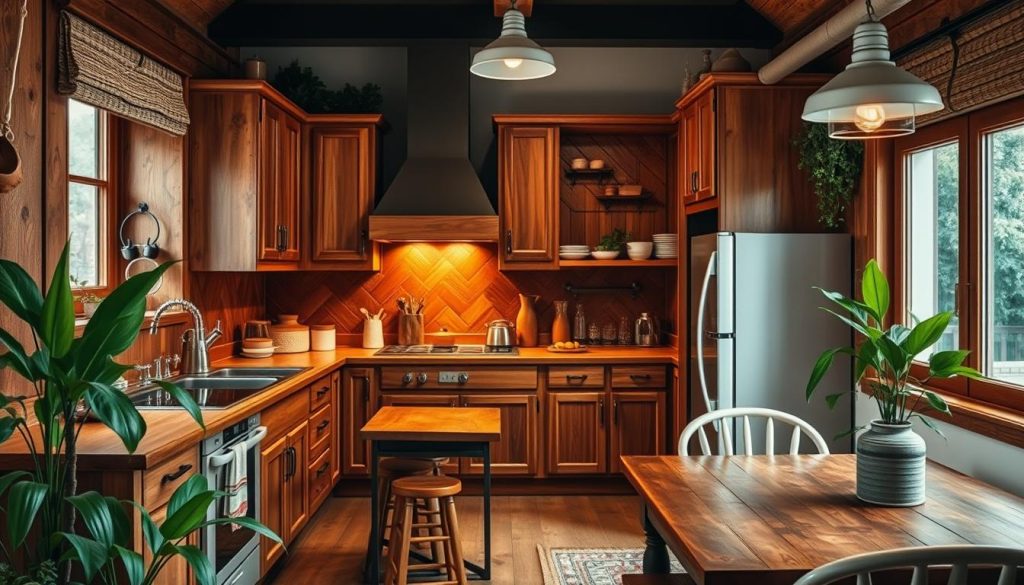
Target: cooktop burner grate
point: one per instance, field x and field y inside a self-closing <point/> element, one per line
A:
<point x="473" y="349"/>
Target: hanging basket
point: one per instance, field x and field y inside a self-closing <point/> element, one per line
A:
<point x="11" y="173"/>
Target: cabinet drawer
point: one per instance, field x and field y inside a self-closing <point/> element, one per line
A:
<point x="161" y="481"/>
<point x="321" y="429"/>
<point x="638" y="377"/>
<point x="576" y="377"/>
<point x="284" y="415"/>
<point x="474" y="378"/>
<point x="319" y="479"/>
<point x="320" y="393"/>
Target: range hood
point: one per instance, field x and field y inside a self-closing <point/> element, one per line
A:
<point x="436" y="195"/>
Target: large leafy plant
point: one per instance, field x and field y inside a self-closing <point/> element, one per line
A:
<point x="72" y="380"/>
<point x="888" y="354"/>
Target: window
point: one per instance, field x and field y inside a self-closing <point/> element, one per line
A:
<point x="88" y="195"/>
<point x="960" y="187"/>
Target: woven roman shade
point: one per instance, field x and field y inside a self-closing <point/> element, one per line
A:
<point x="985" y="60"/>
<point x="95" y="68"/>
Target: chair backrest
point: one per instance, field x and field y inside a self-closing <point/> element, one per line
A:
<point x="958" y="557"/>
<point x="727" y="415"/>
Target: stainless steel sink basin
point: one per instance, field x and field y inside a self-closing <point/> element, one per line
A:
<point x="280" y="373"/>
<point x="239" y="383"/>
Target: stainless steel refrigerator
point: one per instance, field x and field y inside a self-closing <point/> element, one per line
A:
<point x="756" y="328"/>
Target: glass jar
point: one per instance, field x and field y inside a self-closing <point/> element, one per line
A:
<point x="594" y="334"/>
<point x="625" y="332"/>
<point x="579" y="325"/>
<point x="608" y="334"/>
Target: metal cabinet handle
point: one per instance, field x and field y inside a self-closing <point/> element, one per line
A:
<point x="182" y="470"/>
<point x="362" y="243"/>
<point x="366" y="389"/>
<point x="600" y="408"/>
<point x="615" y="412"/>
<point x="693" y="181"/>
<point x="578" y="378"/>
<point x="640" y="377"/>
<point x="323" y="425"/>
<point x="323" y="468"/>
<point x="508" y="242"/>
<point x="282" y="238"/>
<point x="320" y="393"/>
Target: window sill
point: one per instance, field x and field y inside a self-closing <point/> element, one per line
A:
<point x="996" y="422"/>
<point x="167" y="319"/>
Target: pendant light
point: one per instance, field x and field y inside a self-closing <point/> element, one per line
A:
<point x="872" y="97"/>
<point x="513" y="55"/>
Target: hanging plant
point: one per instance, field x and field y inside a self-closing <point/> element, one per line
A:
<point x="310" y="93"/>
<point x="834" y="167"/>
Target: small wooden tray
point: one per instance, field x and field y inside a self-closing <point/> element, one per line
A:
<point x="579" y="349"/>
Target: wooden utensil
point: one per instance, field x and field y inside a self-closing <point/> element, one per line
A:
<point x="364" y="312"/>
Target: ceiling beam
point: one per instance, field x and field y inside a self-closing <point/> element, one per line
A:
<point x="524" y="6"/>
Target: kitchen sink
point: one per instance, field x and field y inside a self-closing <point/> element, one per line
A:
<point x="218" y="389"/>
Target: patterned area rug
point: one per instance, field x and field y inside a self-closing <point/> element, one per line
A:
<point x="592" y="566"/>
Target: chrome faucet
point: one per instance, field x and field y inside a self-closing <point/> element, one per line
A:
<point x="196" y="342"/>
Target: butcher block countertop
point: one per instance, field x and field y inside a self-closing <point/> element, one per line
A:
<point x="169" y="432"/>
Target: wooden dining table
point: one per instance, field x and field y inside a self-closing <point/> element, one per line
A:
<point x="770" y="519"/>
<point x="425" y="431"/>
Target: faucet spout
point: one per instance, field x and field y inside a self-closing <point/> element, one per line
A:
<point x="195" y="355"/>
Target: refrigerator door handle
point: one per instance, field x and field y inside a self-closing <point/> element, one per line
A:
<point x="708" y="273"/>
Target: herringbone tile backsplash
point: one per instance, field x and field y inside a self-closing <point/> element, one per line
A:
<point x="464" y="290"/>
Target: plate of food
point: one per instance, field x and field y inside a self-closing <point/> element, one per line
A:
<point x="567" y="347"/>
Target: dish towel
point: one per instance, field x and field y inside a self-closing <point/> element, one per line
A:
<point x="237" y="483"/>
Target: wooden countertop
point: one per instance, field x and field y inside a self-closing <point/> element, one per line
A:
<point x="424" y="423"/>
<point x="171" y="431"/>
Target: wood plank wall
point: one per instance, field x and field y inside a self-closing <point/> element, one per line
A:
<point x="464" y="290"/>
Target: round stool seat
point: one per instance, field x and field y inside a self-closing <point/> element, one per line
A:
<point x="426" y="486"/>
<point x="403" y="466"/>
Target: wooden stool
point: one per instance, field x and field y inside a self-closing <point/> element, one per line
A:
<point x="407" y="491"/>
<point x="390" y="469"/>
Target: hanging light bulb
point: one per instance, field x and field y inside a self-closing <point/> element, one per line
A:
<point x="872" y="97"/>
<point x="513" y="55"/>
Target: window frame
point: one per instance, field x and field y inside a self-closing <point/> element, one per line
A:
<point x="968" y="131"/>
<point x="105" y="184"/>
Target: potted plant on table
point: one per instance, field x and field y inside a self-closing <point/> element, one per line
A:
<point x="72" y="380"/>
<point x="89" y="299"/>
<point x="890" y="455"/>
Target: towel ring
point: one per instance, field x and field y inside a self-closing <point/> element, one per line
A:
<point x="129" y="249"/>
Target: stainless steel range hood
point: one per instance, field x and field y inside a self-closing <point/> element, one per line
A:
<point x="436" y="195"/>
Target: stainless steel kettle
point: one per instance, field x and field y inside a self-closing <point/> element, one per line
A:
<point x="500" y="334"/>
<point x="647" y="331"/>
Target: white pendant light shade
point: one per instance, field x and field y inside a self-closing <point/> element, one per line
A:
<point x="513" y="55"/>
<point x="872" y="97"/>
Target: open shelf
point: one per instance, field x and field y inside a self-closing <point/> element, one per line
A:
<point x="620" y="263"/>
<point x="637" y="200"/>
<point x="600" y="175"/>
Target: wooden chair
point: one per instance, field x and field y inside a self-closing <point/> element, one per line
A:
<point x="725" y="416"/>
<point x="959" y="558"/>
<point x="407" y="491"/>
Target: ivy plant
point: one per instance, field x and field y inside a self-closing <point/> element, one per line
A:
<point x="834" y="167"/>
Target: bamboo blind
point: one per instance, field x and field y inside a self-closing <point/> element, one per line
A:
<point x="985" y="59"/>
<point x="95" y="68"/>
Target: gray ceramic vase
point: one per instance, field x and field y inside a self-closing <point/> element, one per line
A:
<point x="891" y="465"/>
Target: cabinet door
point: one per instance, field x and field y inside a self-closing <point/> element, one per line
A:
<point x="343" y="189"/>
<point x="273" y="503"/>
<point x="357" y="408"/>
<point x="528" y="193"/>
<point x="577" y="432"/>
<point x="177" y="571"/>
<point x="516" y="452"/>
<point x="296" y="480"/>
<point x="698" y="175"/>
<point x="638" y="425"/>
<point x="279" y="185"/>
<point x="336" y="447"/>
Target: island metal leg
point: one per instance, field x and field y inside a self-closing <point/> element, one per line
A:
<point x="656" y="553"/>
<point x="372" y="576"/>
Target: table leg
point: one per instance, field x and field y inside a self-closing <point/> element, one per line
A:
<point x="487" y="513"/>
<point x="656" y="553"/>
<point x="372" y="576"/>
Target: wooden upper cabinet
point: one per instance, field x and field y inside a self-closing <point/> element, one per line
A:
<point x="342" y="196"/>
<point x="698" y="149"/>
<point x="279" y="162"/>
<point x="528" y="197"/>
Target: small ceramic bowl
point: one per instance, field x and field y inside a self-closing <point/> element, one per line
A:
<point x="611" y="190"/>
<point x="596" y="164"/>
<point x="631" y="190"/>
<point x="578" y="164"/>
<point x="639" y="250"/>
<point x="605" y="254"/>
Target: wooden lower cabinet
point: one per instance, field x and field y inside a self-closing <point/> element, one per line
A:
<point x="438" y="400"/>
<point x="285" y="500"/>
<point x="357" y="397"/>
<point x="577" y="432"/>
<point x="638" y="425"/>
<point x="177" y="570"/>
<point x="516" y="452"/>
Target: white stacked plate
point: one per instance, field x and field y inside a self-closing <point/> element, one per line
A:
<point x="573" y="252"/>
<point x="258" y="353"/>
<point x="666" y="245"/>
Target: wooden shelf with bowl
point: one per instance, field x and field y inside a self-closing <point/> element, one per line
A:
<point x="600" y="175"/>
<point x="620" y="263"/>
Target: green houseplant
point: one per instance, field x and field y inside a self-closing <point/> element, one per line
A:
<point x="890" y="456"/>
<point x="613" y="241"/>
<point x="72" y="379"/>
<point x="834" y="167"/>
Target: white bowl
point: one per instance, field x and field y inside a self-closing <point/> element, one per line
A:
<point x="605" y="254"/>
<point x="574" y="255"/>
<point x="639" y="250"/>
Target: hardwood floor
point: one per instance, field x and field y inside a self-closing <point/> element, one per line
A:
<point x="331" y="548"/>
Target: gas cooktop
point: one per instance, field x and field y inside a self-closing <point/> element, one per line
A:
<point x="428" y="349"/>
